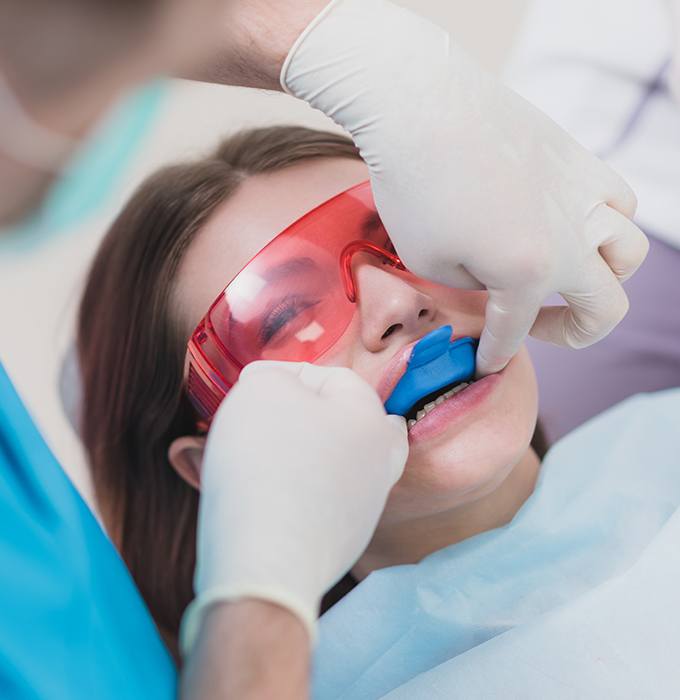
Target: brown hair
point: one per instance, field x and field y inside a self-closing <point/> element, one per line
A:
<point x="131" y="353"/>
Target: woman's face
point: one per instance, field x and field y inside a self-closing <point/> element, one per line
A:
<point x="464" y="448"/>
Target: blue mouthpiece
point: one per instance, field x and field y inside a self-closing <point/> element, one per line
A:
<point x="435" y="362"/>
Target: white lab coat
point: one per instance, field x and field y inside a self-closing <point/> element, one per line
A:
<point x="600" y="68"/>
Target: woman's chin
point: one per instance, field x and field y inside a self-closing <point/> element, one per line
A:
<point x="469" y="468"/>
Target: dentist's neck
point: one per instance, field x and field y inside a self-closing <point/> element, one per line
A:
<point x="409" y="541"/>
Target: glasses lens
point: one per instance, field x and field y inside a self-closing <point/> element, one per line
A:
<point x="290" y="302"/>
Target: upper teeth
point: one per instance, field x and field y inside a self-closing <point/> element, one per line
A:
<point x="433" y="404"/>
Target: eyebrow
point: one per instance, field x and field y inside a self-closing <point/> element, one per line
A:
<point x="370" y="224"/>
<point x="291" y="267"/>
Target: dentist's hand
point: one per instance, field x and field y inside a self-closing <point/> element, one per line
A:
<point x="298" y="465"/>
<point x="476" y="187"/>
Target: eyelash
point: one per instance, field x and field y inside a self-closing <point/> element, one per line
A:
<point x="286" y="310"/>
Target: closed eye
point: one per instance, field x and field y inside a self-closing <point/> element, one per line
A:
<point x="285" y="311"/>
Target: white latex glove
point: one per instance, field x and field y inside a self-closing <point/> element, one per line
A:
<point x="476" y="187"/>
<point x="298" y="465"/>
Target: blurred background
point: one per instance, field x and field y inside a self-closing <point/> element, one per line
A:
<point x="39" y="289"/>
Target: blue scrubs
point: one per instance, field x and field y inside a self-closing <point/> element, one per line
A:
<point x="72" y="623"/>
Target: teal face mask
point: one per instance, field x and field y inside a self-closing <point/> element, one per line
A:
<point x="92" y="174"/>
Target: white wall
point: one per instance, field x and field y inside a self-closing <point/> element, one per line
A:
<point x="39" y="291"/>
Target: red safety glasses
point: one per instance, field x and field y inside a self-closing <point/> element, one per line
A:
<point x="292" y="301"/>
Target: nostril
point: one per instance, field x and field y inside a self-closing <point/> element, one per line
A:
<point x="422" y="313"/>
<point x="392" y="329"/>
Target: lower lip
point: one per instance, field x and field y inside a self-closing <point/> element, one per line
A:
<point x="455" y="409"/>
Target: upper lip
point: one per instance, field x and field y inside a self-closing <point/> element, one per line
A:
<point x="396" y="367"/>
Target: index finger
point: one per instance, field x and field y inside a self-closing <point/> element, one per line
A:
<point x="508" y="320"/>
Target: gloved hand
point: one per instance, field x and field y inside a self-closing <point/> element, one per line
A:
<point x="476" y="187"/>
<point x="298" y="465"/>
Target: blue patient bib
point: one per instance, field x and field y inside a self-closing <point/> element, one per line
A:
<point x="72" y="623"/>
<point x="578" y="598"/>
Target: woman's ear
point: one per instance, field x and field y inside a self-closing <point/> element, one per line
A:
<point x="186" y="455"/>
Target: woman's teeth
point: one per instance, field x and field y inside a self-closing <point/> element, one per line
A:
<point x="433" y="404"/>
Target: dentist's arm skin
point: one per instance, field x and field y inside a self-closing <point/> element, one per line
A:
<point x="249" y="650"/>
<point x="273" y="526"/>
<point x="259" y="35"/>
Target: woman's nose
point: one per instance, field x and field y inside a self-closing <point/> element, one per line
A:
<point x="391" y="310"/>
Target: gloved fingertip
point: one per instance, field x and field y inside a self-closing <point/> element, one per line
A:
<point x="398" y="463"/>
<point x="278" y="367"/>
<point x="488" y="359"/>
<point x="399" y="453"/>
<point x="483" y="365"/>
<point x="253" y="368"/>
<point x="399" y="423"/>
<point x="485" y="368"/>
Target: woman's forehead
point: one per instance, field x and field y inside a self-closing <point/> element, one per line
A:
<point x="262" y="207"/>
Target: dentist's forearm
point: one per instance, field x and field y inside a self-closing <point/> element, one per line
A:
<point x="258" y="36"/>
<point x="248" y="650"/>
